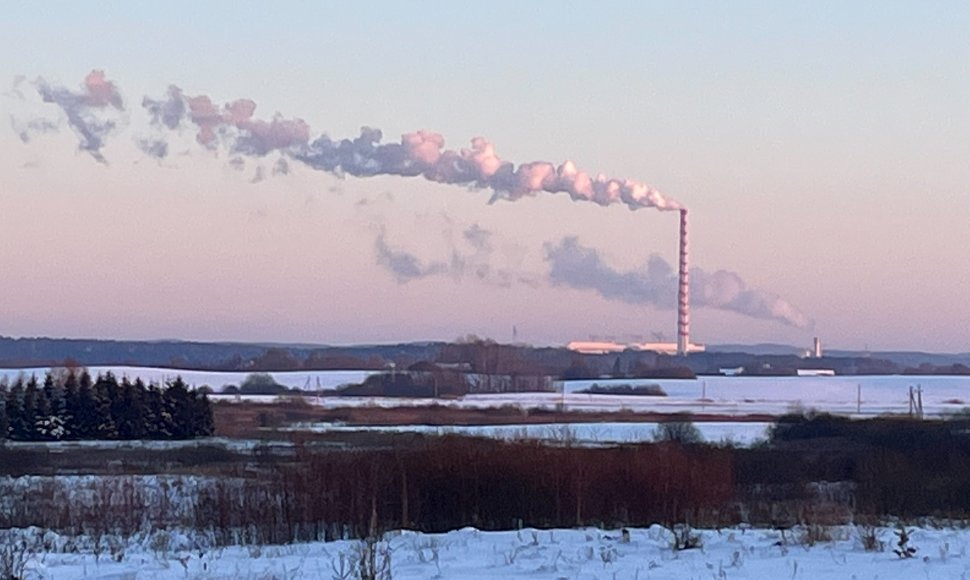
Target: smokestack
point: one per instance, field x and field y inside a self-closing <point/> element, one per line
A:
<point x="683" y="291"/>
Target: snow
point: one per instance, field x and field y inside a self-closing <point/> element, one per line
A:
<point x="724" y="396"/>
<point x="727" y="396"/>
<point x="216" y="379"/>
<point x="582" y="554"/>
<point x="738" y="433"/>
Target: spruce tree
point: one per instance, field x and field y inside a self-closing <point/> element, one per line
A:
<point x="159" y="419"/>
<point x="129" y="412"/>
<point x="86" y="411"/>
<point x="15" y="413"/>
<point x="4" y="422"/>
<point x="105" y="393"/>
<point x="70" y="409"/>
<point x="203" y="425"/>
<point x="29" y="409"/>
<point x="178" y="401"/>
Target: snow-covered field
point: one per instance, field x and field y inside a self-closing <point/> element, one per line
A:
<point x="296" y="379"/>
<point x="858" y="396"/>
<point x="738" y="433"/>
<point x="727" y="396"/>
<point x="849" y="395"/>
<point x="581" y="554"/>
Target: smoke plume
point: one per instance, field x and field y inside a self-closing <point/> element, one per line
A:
<point x="576" y="266"/>
<point x="421" y="153"/>
<point x="25" y="130"/>
<point x="83" y="109"/>
<point x="234" y="126"/>
<point x="405" y="266"/>
<point x="471" y="257"/>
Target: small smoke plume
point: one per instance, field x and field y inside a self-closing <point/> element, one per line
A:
<point x="472" y="258"/>
<point x="26" y="130"/>
<point x="83" y="109"/>
<point x="234" y="122"/>
<point x="157" y="148"/>
<point x="166" y="112"/>
<point x="405" y="266"/>
<point x="577" y="266"/>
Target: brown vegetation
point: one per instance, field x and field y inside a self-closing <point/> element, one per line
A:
<point x="251" y="419"/>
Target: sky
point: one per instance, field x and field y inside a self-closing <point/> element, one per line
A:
<point x="822" y="148"/>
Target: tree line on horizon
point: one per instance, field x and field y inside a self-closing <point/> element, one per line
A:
<point x="73" y="406"/>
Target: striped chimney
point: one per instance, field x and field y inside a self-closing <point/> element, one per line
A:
<point x="683" y="291"/>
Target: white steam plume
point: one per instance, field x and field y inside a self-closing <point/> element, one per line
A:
<point x="421" y="153"/>
<point x="576" y="266"/>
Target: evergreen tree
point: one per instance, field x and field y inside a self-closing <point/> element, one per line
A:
<point x="4" y="422"/>
<point x="129" y="411"/>
<point x="85" y="413"/>
<point x="29" y="409"/>
<point x="70" y="410"/>
<point x="54" y="394"/>
<point x="15" y="414"/>
<point x="178" y="401"/>
<point x="158" y="417"/>
<point x="42" y="416"/>
<point x="105" y="394"/>
<point x="49" y="424"/>
<point x="202" y="412"/>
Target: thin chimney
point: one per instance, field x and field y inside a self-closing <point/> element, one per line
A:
<point x="683" y="291"/>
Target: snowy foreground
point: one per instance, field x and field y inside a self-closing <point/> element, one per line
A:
<point x="540" y="554"/>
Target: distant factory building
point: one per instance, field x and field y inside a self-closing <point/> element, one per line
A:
<point x="608" y="347"/>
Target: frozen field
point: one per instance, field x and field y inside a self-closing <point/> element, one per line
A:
<point x="581" y="554"/>
<point x="727" y="396"/>
<point x="295" y="379"/>
<point x="574" y="433"/>
<point x="860" y="396"/>
<point x="849" y="395"/>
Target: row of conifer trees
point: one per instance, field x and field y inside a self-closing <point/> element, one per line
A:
<point x="72" y="405"/>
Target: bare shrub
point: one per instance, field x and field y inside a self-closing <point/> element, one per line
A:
<point x="685" y="538"/>
<point x="869" y="538"/>
<point x="815" y="533"/>
<point x="903" y="549"/>
<point x="15" y="553"/>
<point x="342" y="567"/>
<point x="373" y="559"/>
<point x="684" y="432"/>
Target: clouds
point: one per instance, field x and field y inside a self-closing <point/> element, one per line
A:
<point x="655" y="284"/>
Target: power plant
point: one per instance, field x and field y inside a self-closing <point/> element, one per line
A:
<point x="683" y="345"/>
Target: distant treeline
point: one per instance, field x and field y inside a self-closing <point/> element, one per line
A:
<point x="71" y="405"/>
<point x="469" y="354"/>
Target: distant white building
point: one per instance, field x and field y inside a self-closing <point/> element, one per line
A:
<point x="595" y="347"/>
<point x="607" y="347"/>
<point x="816" y="373"/>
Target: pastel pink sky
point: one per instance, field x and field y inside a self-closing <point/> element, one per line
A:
<point x="823" y="151"/>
